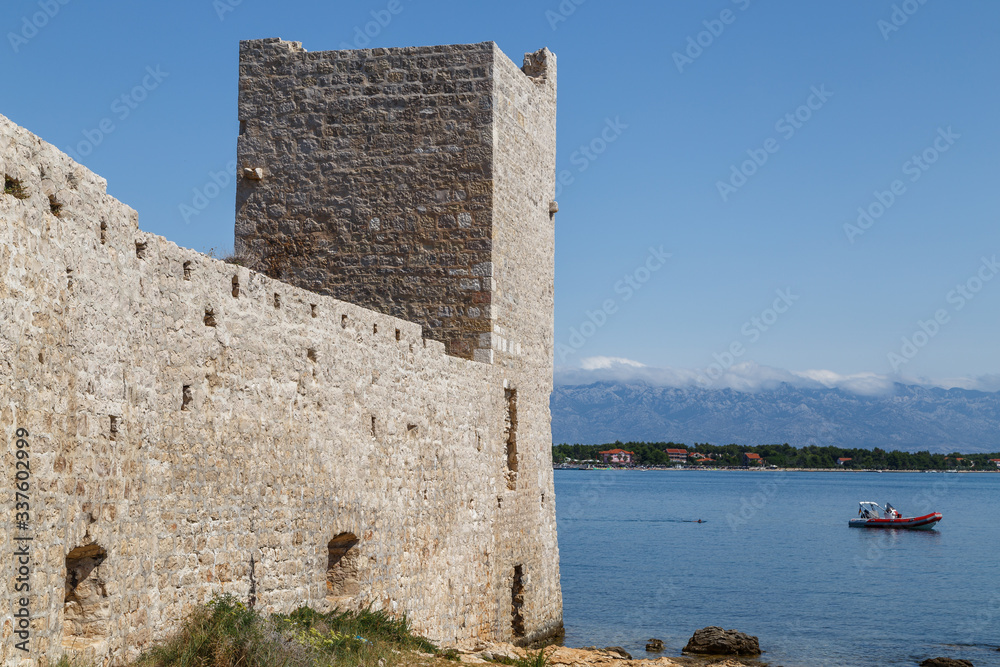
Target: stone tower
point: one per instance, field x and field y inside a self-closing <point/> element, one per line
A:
<point x="420" y="183"/>
<point x="417" y="182"/>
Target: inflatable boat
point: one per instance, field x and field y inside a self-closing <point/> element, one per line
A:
<point x="871" y="515"/>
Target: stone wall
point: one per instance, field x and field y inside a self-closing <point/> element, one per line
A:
<point x="420" y="182"/>
<point x="377" y="178"/>
<point x="379" y="172"/>
<point x="522" y="340"/>
<point x="197" y="428"/>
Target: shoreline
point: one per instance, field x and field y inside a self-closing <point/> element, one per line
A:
<point x="758" y="470"/>
<point x="558" y="655"/>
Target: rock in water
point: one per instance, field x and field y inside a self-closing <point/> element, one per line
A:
<point x="714" y="640"/>
<point x="654" y="645"/>
<point x="945" y="662"/>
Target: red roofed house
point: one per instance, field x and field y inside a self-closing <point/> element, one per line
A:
<point x="617" y="456"/>
<point x="677" y="455"/>
<point x="997" y="461"/>
<point x="702" y="461"/>
<point x="752" y="459"/>
<point x="843" y="461"/>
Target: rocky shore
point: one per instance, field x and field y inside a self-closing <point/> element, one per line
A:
<point x="708" y="647"/>
<point x="563" y="656"/>
<point x="714" y="646"/>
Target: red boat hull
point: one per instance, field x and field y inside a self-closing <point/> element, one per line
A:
<point x="925" y="522"/>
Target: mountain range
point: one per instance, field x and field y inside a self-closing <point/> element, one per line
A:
<point x="903" y="416"/>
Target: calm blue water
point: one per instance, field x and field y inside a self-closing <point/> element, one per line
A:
<point x="775" y="558"/>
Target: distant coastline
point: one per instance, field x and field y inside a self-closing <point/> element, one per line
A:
<point x="662" y="455"/>
<point x="757" y="469"/>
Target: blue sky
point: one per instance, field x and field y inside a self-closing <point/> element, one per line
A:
<point x="820" y="108"/>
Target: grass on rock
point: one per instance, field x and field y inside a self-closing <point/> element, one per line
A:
<point x="12" y="186"/>
<point x="227" y="633"/>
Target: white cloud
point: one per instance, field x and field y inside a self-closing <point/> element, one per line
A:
<point x="989" y="383"/>
<point x="596" y="363"/>
<point x="752" y="377"/>
<point x="868" y="384"/>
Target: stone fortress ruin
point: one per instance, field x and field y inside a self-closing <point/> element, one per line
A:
<point x="357" y="416"/>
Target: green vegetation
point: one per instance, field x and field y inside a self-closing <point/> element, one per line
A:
<point x="786" y="456"/>
<point x="533" y="660"/>
<point x="12" y="186"/>
<point x="352" y="633"/>
<point x="651" y="453"/>
<point x="537" y="659"/>
<point x="227" y="255"/>
<point x="227" y="633"/>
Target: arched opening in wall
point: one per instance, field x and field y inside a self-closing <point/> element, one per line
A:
<point x="86" y="607"/>
<point x="510" y="436"/>
<point x="342" y="584"/>
<point x="517" y="602"/>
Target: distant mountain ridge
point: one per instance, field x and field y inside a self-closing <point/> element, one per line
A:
<point x="910" y="417"/>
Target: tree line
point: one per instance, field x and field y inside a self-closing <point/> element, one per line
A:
<point x="784" y="456"/>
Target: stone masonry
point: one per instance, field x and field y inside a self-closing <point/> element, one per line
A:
<point x="382" y="172"/>
<point x="180" y="427"/>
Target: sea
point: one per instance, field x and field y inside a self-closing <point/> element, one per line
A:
<point x="774" y="557"/>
